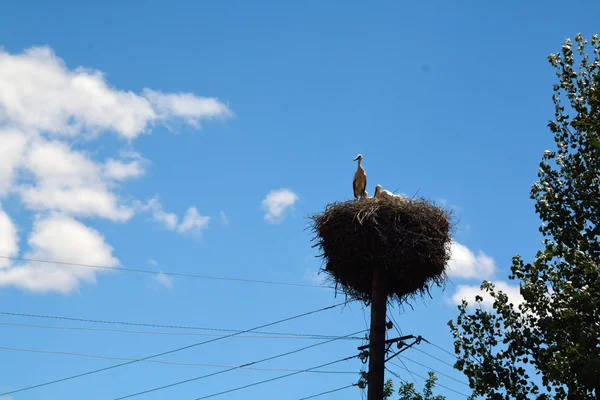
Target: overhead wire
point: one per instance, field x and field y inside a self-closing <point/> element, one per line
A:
<point x="423" y="365"/>
<point x="147" y="271"/>
<point x="66" y="353"/>
<point x="228" y="370"/>
<point x="435" y="358"/>
<point x="396" y="375"/>
<point x="398" y="328"/>
<point x="453" y="355"/>
<point x="147" y="325"/>
<point x="436" y="371"/>
<point x="441" y="348"/>
<point x="400" y="333"/>
<point x="274" y="379"/>
<point x="251" y="336"/>
<point x="328" y="392"/>
<point x="437" y="384"/>
<point x="167" y="352"/>
<point x="411" y="374"/>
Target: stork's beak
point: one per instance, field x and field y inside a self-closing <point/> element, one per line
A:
<point x="355" y="159"/>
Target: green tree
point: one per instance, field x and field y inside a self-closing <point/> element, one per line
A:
<point x="388" y="389"/>
<point x="407" y="390"/>
<point x="556" y="330"/>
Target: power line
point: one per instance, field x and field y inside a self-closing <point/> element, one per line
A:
<point x="437" y="384"/>
<point x="329" y="391"/>
<point x="273" y="335"/>
<point x="400" y="333"/>
<point x="435" y="358"/>
<point x="441" y="348"/>
<point x="97" y="321"/>
<point x="65" y="353"/>
<point x="274" y="379"/>
<point x="229" y="370"/>
<point x="398" y="329"/>
<point x="436" y="371"/>
<point x="167" y="352"/>
<point x="147" y="271"/>
<point x="453" y="355"/>
<point x="396" y="375"/>
<point x="411" y="374"/>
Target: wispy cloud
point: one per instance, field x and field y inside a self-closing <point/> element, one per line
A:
<point x="277" y="203"/>
<point x="193" y="221"/>
<point x="186" y="106"/>
<point x="224" y="218"/>
<point x="120" y="170"/>
<point x="167" y="219"/>
<point x="163" y="280"/>
<point x="312" y="276"/>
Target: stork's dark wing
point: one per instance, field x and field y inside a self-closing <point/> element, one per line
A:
<point x="354" y="188"/>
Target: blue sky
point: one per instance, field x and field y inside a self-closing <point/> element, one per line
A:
<point x="196" y="137"/>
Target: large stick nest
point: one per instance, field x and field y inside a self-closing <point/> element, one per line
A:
<point x="408" y="239"/>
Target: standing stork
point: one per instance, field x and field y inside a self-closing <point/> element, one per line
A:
<point x="359" y="184"/>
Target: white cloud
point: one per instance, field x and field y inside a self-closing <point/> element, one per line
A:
<point x="164" y="280"/>
<point x="63" y="239"/>
<point x="68" y="181"/>
<point x="169" y="220"/>
<point x="469" y="292"/>
<point x="9" y="239"/>
<point x="12" y="148"/>
<point x="465" y="264"/>
<point x="40" y="92"/>
<point x="312" y="276"/>
<point x="224" y="218"/>
<point x="152" y="262"/>
<point x="186" y="106"/>
<point x="119" y="170"/>
<point x="193" y="221"/>
<point x="46" y="109"/>
<point x="445" y="204"/>
<point x="276" y="203"/>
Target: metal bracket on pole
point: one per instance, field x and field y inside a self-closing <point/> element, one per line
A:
<point x="391" y="341"/>
<point x="403" y="346"/>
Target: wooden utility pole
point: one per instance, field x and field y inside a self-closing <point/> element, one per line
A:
<point x="377" y="337"/>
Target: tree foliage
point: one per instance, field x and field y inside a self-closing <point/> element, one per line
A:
<point x="407" y="390"/>
<point x="388" y="389"/>
<point x="555" y="332"/>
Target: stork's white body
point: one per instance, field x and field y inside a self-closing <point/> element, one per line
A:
<point x="359" y="184"/>
<point x="382" y="193"/>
